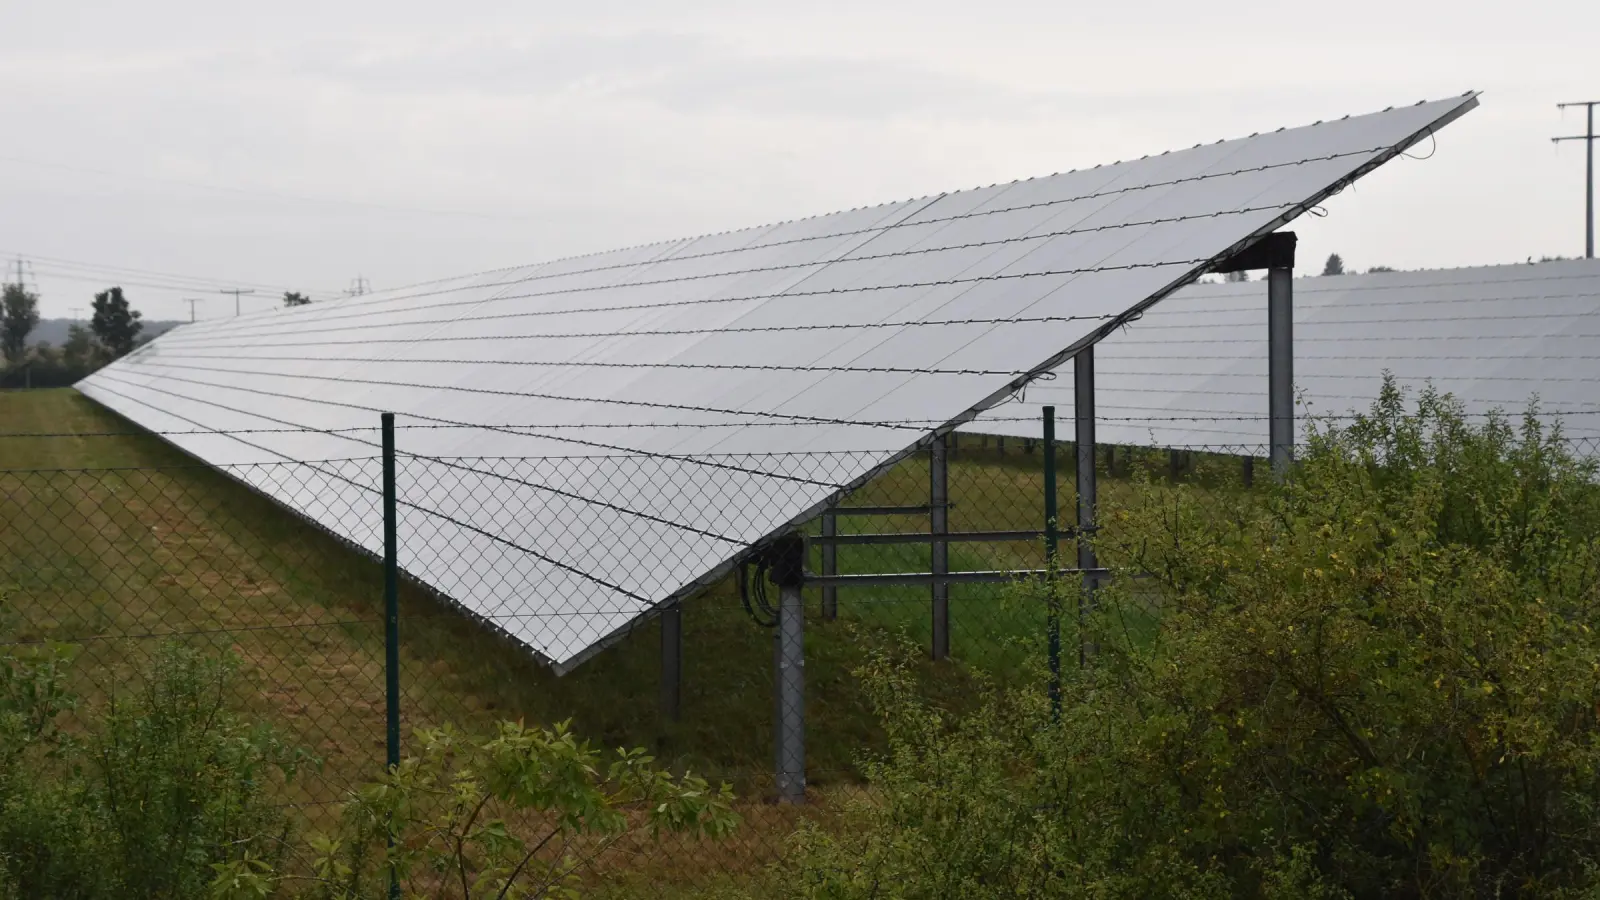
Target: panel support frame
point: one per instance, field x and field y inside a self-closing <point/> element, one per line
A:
<point x="939" y="549"/>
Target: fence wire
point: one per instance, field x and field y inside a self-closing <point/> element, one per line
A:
<point x="513" y="565"/>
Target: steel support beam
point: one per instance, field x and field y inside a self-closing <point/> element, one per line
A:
<point x="1280" y="367"/>
<point x="830" y="564"/>
<point x="1052" y="561"/>
<point x="913" y="537"/>
<point x="881" y="510"/>
<point x="939" y="523"/>
<point x="1083" y="415"/>
<point x="788" y="572"/>
<point x="882" y="579"/>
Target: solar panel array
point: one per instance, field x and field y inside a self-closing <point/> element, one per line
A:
<point x="695" y="389"/>
<point x="1193" y="371"/>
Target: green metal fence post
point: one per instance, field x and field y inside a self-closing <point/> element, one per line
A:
<point x="391" y="613"/>
<point x="1051" y="543"/>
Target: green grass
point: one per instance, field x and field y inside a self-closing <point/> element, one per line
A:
<point x="130" y="542"/>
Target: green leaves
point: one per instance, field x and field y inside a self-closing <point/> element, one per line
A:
<point x="520" y="813"/>
<point x="1378" y="679"/>
<point x="165" y="795"/>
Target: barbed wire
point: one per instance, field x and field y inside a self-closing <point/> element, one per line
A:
<point x="699" y="460"/>
<point x="746" y="298"/>
<point x="613" y="401"/>
<point x="678" y="332"/>
<point x="604" y="426"/>
<point x="583" y="364"/>
<point x="875" y="229"/>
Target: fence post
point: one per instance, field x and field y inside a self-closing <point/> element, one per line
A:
<point x="1083" y="412"/>
<point x="1051" y="543"/>
<point x="939" y="524"/>
<point x="788" y="572"/>
<point x="391" y="613"/>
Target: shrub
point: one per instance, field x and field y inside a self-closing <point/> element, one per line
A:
<point x="1379" y="679"/>
<point x="519" y="814"/>
<point x="165" y="783"/>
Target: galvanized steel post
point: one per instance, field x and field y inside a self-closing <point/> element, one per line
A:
<point x="1280" y="367"/>
<point x="788" y="572"/>
<point x="391" y="611"/>
<point x="939" y="524"/>
<point x="1083" y="414"/>
<point x="1051" y="545"/>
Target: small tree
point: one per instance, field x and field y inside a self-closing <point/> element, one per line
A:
<point x="1235" y="277"/>
<point x="21" y="315"/>
<point x="1334" y="265"/>
<point x="519" y="814"/>
<point x="1377" y="269"/>
<point x="295" y="298"/>
<point x="115" y="323"/>
<point x="79" y="353"/>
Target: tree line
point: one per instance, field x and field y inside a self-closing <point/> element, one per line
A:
<point x="114" y="331"/>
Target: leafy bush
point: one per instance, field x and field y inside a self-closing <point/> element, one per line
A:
<point x="519" y="814"/>
<point x="165" y="783"/>
<point x="1379" y="679"/>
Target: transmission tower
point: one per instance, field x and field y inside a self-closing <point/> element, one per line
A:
<point x="358" y="286"/>
<point x="23" y="269"/>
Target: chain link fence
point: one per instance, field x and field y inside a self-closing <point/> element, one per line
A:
<point x="120" y="560"/>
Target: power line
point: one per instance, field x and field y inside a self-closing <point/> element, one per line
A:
<point x="114" y="271"/>
<point x="276" y="195"/>
<point x="1588" y="140"/>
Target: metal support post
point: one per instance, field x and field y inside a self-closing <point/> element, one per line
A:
<point x="1175" y="463"/>
<point x="1280" y="367"/>
<point x="391" y="613"/>
<point x="939" y="524"/>
<point x="1249" y="467"/>
<point x="672" y="662"/>
<point x="1051" y="544"/>
<point x="1083" y="412"/>
<point x="830" y="566"/>
<point x="788" y="572"/>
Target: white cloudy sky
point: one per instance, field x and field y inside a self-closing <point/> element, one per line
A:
<point x="299" y="144"/>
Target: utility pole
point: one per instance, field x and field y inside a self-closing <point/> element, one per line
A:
<point x="235" y="292"/>
<point x="192" y="301"/>
<point x="1588" y="207"/>
<point x="77" y="313"/>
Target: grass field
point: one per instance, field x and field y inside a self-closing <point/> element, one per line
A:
<point x="118" y="543"/>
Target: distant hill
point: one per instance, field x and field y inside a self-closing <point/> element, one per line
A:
<point x="54" y="331"/>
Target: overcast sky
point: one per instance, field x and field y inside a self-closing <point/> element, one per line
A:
<point x="301" y="144"/>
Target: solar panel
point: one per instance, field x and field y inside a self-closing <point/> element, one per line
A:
<point x="1193" y="371"/>
<point x="674" y="404"/>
